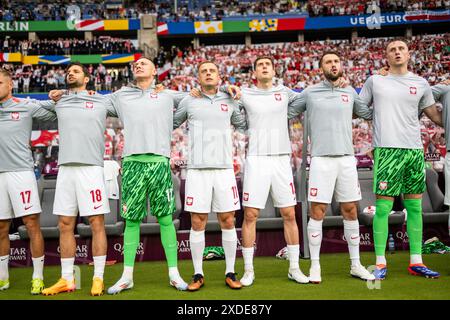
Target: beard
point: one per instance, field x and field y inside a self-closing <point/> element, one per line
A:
<point x="330" y="77"/>
<point x="75" y="84"/>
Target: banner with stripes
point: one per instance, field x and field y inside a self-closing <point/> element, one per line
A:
<point x="82" y="58"/>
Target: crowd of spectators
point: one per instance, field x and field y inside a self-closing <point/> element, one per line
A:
<point x="66" y="46"/>
<point x="297" y="64"/>
<point x="358" y="7"/>
<point x="189" y="10"/>
<point x="43" y="78"/>
<point x="19" y="10"/>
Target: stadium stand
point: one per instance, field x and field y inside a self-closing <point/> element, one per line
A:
<point x="433" y="200"/>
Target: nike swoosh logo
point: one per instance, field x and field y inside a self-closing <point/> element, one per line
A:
<point x="96" y="207"/>
<point x="315" y="236"/>
<point x="354" y="238"/>
<point x="3" y="259"/>
<point x="236" y="202"/>
<point x="27" y="208"/>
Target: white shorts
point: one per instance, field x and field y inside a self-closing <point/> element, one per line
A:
<point x="328" y="175"/>
<point x="268" y="173"/>
<point x="19" y="195"/>
<point x="447" y="179"/>
<point x="80" y="189"/>
<point x="208" y="189"/>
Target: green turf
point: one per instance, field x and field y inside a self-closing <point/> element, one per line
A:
<point x="151" y="281"/>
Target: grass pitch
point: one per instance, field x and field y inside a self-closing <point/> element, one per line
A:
<point x="151" y="281"/>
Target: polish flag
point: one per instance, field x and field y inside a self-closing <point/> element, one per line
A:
<point x="164" y="71"/>
<point x="162" y="29"/>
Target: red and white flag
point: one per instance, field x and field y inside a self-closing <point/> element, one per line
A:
<point x="162" y="29"/>
<point x="90" y="25"/>
<point x="164" y="71"/>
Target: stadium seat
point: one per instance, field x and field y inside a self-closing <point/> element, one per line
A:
<point x="113" y="227"/>
<point x="433" y="200"/>
<point x="48" y="221"/>
<point x="150" y="224"/>
<point x="368" y="199"/>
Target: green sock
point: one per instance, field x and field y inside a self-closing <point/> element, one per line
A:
<point x="381" y="225"/>
<point x="130" y="242"/>
<point x="414" y="224"/>
<point x="169" y="240"/>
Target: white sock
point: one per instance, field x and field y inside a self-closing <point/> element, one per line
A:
<point x="315" y="240"/>
<point x="351" y="232"/>
<point x="294" y="255"/>
<point x="38" y="268"/>
<point x="127" y="273"/>
<point x="197" y="243"/>
<point x="415" y="259"/>
<point x="247" y="254"/>
<point x="67" y="268"/>
<point x="99" y="266"/>
<point x="174" y="274"/>
<point x="381" y="260"/>
<point x="229" y="243"/>
<point x="4" y="260"/>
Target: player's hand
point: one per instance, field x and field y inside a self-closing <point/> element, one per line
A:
<point x="196" y="93"/>
<point x="235" y="92"/>
<point x="55" y="95"/>
<point x="446" y="82"/>
<point x="342" y="82"/>
<point x="158" y="88"/>
<point x="383" y="71"/>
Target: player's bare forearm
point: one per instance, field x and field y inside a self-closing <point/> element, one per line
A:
<point x="434" y="114"/>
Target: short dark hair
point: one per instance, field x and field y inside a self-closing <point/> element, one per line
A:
<point x="262" y="58"/>
<point x="327" y="53"/>
<point x="79" y="64"/>
<point x="402" y="39"/>
<point x="205" y="62"/>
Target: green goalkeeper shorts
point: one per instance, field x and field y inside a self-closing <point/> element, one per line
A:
<point x="399" y="171"/>
<point x="143" y="182"/>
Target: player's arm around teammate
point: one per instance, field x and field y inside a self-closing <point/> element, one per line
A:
<point x="18" y="188"/>
<point x="398" y="99"/>
<point x="147" y="117"/>
<point x="80" y="185"/>
<point x="210" y="181"/>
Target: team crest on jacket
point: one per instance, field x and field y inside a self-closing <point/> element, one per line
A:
<point x="412" y="90"/>
<point x="224" y="107"/>
<point x="383" y="185"/>
<point x="89" y="105"/>
<point x="278" y="96"/>
<point x="153" y="95"/>
<point x="189" y="201"/>
<point x="245" y="196"/>
<point x="15" y="116"/>
<point x="313" y="192"/>
<point x="344" y="97"/>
